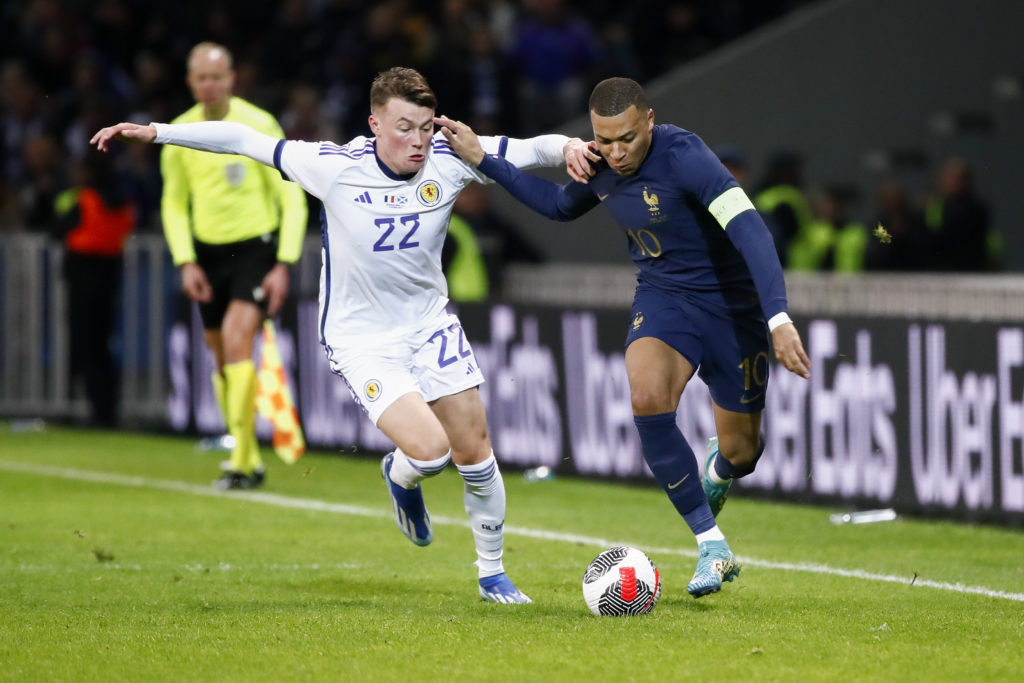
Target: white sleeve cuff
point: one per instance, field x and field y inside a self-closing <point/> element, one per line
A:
<point x="160" y="127"/>
<point x="777" y="320"/>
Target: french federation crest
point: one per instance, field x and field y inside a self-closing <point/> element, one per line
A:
<point x="372" y="390"/>
<point x="652" y="201"/>
<point x="429" y="193"/>
<point x="638" y="320"/>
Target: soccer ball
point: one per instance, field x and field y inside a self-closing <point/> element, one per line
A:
<point x="621" y="581"/>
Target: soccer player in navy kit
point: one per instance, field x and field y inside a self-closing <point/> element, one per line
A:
<point x="709" y="290"/>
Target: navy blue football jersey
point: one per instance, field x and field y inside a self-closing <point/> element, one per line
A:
<point x="673" y="238"/>
<point x="691" y="228"/>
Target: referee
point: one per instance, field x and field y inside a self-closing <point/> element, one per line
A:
<point x="233" y="227"/>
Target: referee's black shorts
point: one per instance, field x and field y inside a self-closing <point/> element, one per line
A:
<point x="235" y="271"/>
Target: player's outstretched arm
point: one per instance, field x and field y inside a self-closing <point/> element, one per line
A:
<point x="220" y="137"/>
<point x="557" y="202"/>
<point x="578" y="155"/>
<point x="789" y="350"/>
<point x="122" y="131"/>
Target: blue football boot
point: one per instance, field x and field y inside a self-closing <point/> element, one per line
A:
<point x="499" y="588"/>
<point x="715" y="565"/>
<point x="410" y="512"/>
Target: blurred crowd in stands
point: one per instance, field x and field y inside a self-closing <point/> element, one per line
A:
<point x="949" y="229"/>
<point x="69" y="67"/>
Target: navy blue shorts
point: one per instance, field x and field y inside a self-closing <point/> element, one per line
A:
<point x="728" y="349"/>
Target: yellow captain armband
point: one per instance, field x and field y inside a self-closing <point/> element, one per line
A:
<point x="729" y="204"/>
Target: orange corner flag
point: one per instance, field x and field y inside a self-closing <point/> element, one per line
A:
<point x="274" y="400"/>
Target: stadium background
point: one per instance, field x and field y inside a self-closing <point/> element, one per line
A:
<point x="917" y="398"/>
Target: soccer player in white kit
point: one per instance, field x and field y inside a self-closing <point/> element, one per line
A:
<point x="383" y="320"/>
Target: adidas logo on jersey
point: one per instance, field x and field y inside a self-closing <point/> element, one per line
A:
<point x="364" y="198"/>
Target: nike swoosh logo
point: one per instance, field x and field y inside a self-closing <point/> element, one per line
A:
<point x="744" y="399"/>
<point x="675" y="485"/>
<point x="602" y="197"/>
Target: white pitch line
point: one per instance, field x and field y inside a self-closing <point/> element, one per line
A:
<point x="542" y="534"/>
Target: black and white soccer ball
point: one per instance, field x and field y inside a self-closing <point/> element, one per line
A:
<point x="621" y="581"/>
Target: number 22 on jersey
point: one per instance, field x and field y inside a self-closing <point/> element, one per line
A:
<point x="400" y="235"/>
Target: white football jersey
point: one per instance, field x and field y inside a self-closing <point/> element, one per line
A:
<point x="383" y="233"/>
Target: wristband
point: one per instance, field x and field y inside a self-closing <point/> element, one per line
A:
<point x="777" y="320"/>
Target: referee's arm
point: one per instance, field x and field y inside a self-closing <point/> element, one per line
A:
<point x="174" y="207"/>
<point x="291" y="200"/>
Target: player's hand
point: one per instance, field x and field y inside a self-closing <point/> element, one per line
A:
<point x="579" y="160"/>
<point x="462" y="138"/>
<point x="122" y="131"/>
<point x="194" y="283"/>
<point x="275" y="288"/>
<point x="790" y="350"/>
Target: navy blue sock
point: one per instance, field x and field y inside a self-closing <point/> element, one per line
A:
<point x="675" y="467"/>
<point x="726" y="470"/>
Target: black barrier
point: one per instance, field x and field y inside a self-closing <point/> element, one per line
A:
<point x="924" y="417"/>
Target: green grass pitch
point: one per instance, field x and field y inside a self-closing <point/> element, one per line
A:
<point x="118" y="562"/>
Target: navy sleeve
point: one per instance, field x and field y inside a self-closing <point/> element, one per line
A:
<point x="701" y="173"/>
<point x="557" y="202"/>
<point x="751" y="237"/>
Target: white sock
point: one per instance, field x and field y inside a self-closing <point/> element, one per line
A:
<point x="712" y="534"/>
<point x="713" y="473"/>
<point x="485" y="504"/>
<point x="407" y="472"/>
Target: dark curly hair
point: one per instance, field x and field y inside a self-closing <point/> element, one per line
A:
<point x="613" y="96"/>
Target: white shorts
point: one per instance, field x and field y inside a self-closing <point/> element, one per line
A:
<point x="434" y="362"/>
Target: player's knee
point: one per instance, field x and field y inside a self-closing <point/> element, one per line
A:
<point x="651" y="401"/>
<point x="428" y="448"/>
<point x="742" y="452"/>
<point x="471" y="446"/>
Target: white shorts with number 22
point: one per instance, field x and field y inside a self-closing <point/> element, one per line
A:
<point x="434" y="362"/>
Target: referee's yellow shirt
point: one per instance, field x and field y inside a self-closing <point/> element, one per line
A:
<point x="223" y="198"/>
